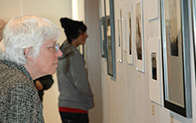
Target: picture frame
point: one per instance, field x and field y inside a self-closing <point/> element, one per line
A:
<point x="130" y="33"/>
<point x="194" y="30"/>
<point x="176" y="56"/>
<point x="124" y="33"/>
<point x="110" y="38"/>
<point x="119" y="36"/>
<point x="139" y="37"/>
<point x="102" y="27"/>
<point x="154" y="63"/>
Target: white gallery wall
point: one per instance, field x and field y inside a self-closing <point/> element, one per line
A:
<point x="93" y="58"/>
<point x="54" y="10"/>
<point x="128" y="97"/>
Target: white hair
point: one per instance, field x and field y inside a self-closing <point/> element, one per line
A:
<point x="23" y="32"/>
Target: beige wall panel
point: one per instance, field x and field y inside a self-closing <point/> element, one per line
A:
<point x="9" y="8"/>
<point x="51" y="9"/>
<point x="93" y="58"/>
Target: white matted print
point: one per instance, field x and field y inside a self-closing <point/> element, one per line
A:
<point x="129" y="35"/>
<point x="139" y="38"/>
<point x="124" y="34"/>
<point x="119" y="36"/>
<point x="154" y="69"/>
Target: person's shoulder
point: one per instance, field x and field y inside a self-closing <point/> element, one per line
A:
<point x="75" y="50"/>
<point x="12" y="76"/>
<point x="77" y="54"/>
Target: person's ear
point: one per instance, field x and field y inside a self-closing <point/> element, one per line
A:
<point x="27" y="52"/>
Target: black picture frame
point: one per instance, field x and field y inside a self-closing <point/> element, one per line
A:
<point x="176" y="62"/>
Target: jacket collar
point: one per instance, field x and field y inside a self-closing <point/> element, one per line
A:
<point x="20" y="68"/>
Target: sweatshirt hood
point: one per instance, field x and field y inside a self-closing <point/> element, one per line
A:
<point x="66" y="49"/>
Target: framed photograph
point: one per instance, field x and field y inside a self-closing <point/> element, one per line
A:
<point x="119" y="36"/>
<point x="154" y="50"/>
<point x="194" y="29"/>
<point x="110" y="38"/>
<point x="129" y="35"/>
<point x="139" y="38"/>
<point x="176" y="56"/>
<point x="153" y="65"/>
<point x="124" y="33"/>
<point x="102" y="36"/>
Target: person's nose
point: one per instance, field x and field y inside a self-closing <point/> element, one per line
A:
<point x="59" y="53"/>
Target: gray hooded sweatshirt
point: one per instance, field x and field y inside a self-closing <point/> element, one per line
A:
<point x="73" y="85"/>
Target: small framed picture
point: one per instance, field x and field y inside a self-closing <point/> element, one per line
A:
<point x="154" y="60"/>
<point x="102" y="35"/>
<point x="119" y="36"/>
<point x="139" y="37"/>
<point x="130" y="39"/>
<point x="154" y="65"/>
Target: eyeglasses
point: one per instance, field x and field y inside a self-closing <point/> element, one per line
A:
<point x="56" y="46"/>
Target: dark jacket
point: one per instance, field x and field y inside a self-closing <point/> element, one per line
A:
<point x="47" y="82"/>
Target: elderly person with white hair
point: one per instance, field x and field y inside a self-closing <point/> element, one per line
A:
<point x="28" y="50"/>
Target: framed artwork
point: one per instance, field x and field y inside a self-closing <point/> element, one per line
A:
<point x="102" y="36"/>
<point x="154" y="61"/>
<point x="129" y="16"/>
<point x="139" y="38"/>
<point x="119" y="36"/>
<point x="176" y="56"/>
<point x="194" y="29"/>
<point x="153" y="66"/>
<point x="110" y="38"/>
<point x="124" y="33"/>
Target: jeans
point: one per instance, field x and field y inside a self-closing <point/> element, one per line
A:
<point x="74" y="117"/>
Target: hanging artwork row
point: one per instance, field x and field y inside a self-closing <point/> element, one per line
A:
<point x="169" y="54"/>
<point x="129" y="35"/>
